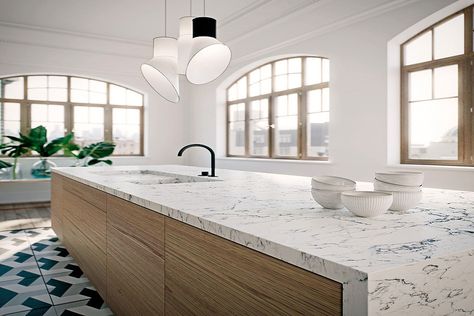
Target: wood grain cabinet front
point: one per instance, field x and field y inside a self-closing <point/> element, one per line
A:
<point x="90" y="258"/>
<point x="208" y="275"/>
<point x="57" y="204"/>
<point x="135" y="259"/>
<point x="144" y="263"/>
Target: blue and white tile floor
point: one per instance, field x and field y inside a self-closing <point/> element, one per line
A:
<point x="38" y="277"/>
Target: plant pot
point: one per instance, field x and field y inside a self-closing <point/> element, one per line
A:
<point x="42" y="168"/>
<point x="14" y="172"/>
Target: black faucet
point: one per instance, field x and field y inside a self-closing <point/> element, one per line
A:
<point x="213" y="158"/>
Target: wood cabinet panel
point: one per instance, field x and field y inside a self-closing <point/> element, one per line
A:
<point x="57" y="204"/>
<point x="208" y="275"/>
<point x="135" y="276"/>
<point x="86" y="193"/>
<point x="90" y="220"/>
<point x="146" y="227"/>
<point x="90" y="258"/>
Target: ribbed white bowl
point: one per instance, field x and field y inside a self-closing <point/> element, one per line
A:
<point x="327" y="199"/>
<point x="407" y="178"/>
<point x="330" y="183"/>
<point x="403" y="201"/>
<point x="383" y="186"/>
<point x="367" y="203"/>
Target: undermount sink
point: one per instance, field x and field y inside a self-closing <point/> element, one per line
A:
<point x="150" y="177"/>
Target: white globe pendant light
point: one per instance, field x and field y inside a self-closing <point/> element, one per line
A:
<point x="185" y="42"/>
<point x="209" y="58"/>
<point x="161" y="72"/>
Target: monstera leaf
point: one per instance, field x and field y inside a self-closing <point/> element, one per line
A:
<point x="37" y="141"/>
<point x="4" y="164"/>
<point x="96" y="152"/>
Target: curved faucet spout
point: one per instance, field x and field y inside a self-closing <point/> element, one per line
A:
<point x="213" y="156"/>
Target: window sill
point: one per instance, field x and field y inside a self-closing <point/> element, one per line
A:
<point x="71" y="158"/>
<point x="310" y="162"/>
<point x="431" y="167"/>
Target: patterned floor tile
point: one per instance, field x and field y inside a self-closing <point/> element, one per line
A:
<point x="15" y="238"/>
<point x="92" y="307"/>
<point x="40" y="234"/>
<point x="23" y="295"/>
<point x="50" y="266"/>
<point x="66" y="289"/>
<point x="48" y="311"/>
<point x="49" y="247"/>
<point x="14" y="256"/>
<point x="14" y="270"/>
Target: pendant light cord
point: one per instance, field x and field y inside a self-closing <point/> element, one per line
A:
<point x="165" y="15"/>
<point x="204" y="1"/>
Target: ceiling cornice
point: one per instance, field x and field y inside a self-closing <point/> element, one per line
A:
<point x="349" y="20"/>
<point x="301" y="8"/>
<point x="242" y="12"/>
<point x="84" y="50"/>
<point x="30" y="27"/>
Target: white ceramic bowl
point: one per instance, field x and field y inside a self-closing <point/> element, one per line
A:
<point x="330" y="183"/>
<point x="327" y="199"/>
<point x="403" y="201"/>
<point x="367" y="203"/>
<point x="414" y="179"/>
<point x="384" y="186"/>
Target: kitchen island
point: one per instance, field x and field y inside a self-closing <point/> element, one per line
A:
<point x="417" y="263"/>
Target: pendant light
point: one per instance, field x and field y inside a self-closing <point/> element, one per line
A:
<point x="161" y="72"/>
<point x="209" y="58"/>
<point x="185" y="40"/>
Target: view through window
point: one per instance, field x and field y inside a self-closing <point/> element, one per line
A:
<point x="437" y="92"/>
<point x="94" y="110"/>
<point x="280" y="110"/>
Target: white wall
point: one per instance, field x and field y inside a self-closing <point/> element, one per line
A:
<point x="357" y="48"/>
<point x="25" y="50"/>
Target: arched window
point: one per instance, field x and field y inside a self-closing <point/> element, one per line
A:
<point x="94" y="110"/>
<point x="280" y="110"/>
<point x="437" y="93"/>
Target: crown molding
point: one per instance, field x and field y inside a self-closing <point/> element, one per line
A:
<point x="349" y="20"/>
<point x="301" y="8"/>
<point x="61" y="47"/>
<point x="225" y="22"/>
<point x="30" y="27"/>
<point x="72" y="70"/>
<point x="242" y="12"/>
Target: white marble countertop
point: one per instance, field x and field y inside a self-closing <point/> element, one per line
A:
<point x="276" y="215"/>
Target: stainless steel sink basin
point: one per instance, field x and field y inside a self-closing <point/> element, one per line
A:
<point x="151" y="177"/>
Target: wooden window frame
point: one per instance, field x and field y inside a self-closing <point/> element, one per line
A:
<point x="302" y="151"/>
<point x="25" y="106"/>
<point x="465" y="64"/>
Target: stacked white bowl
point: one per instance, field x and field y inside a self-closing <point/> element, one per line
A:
<point x="326" y="190"/>
<point x="406" y="188"/>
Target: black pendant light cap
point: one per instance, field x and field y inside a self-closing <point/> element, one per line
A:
<point x="204" y="26"/>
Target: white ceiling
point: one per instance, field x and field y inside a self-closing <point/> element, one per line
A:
<point x="141" y="20"/>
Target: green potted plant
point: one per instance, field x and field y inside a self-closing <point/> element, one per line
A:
<point x="37" y="141"/>
<point x="4" y="167"/>
<point x="14" y="149"/>
<point x="94" y="154"/>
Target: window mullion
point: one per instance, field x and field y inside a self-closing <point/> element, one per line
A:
<point x="270" y="124"/>
<point x="108" y="137"/>
<point x="247" y="128"/>
<point x="25" y="108"/>
<point x="108" y="109"/>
